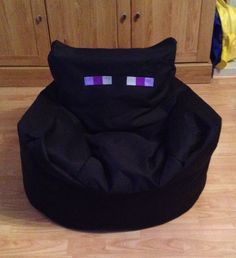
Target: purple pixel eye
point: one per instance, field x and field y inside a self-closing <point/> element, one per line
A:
<point x="97" y="80"/>
<point x="140" y="81"/>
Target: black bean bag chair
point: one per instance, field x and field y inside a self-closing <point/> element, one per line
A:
<point x="116" y="141"/>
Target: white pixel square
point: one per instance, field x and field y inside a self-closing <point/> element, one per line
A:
<point x="131" y="81"/>
<point x="106" y="80"/>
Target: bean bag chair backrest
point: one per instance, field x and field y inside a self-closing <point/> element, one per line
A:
<point x="136" y="81"/>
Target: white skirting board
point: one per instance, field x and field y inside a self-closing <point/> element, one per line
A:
<point x="228" y="71"/>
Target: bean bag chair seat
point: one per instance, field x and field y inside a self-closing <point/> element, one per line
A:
<point x="116" y="142"/>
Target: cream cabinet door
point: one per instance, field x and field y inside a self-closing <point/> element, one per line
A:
<point x="83" y="23"/>
<point x="24" y="38"/>
<point x="190" y="22"/>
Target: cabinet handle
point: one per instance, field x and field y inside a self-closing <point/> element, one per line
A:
<point x="123" y="17"/>
<point x="38" y="19"/>
<point x="137" y="16"/>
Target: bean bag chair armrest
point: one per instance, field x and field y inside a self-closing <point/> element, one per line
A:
<point x="53" y="137"/>
<point x="193" y="129"/>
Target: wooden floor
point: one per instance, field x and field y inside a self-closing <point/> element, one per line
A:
<point x="207" y="230"/>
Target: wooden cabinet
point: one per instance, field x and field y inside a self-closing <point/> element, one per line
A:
<point x="189" y="22"/>
<point x="134" y="23"/>
<point x="83" y="23"/>
<point x="24" y="38"/>
<point x="107" y="24"/>
<point x="89" y="23"/>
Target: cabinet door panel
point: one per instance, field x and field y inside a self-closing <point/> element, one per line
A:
<point x="23" y="40"/>
<point x="180" y="19"/>
<point x="124" y="24"/>
<point x="83" y="23"/>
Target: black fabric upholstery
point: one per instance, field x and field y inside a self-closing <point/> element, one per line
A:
<point x="116" y="157"/>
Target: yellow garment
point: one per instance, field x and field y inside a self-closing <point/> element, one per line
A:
<point x="227" y="15"/>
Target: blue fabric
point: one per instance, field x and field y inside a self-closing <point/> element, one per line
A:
<point x="216" y="46"/>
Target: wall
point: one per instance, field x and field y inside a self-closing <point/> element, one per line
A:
<point x="233" y="2"/>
